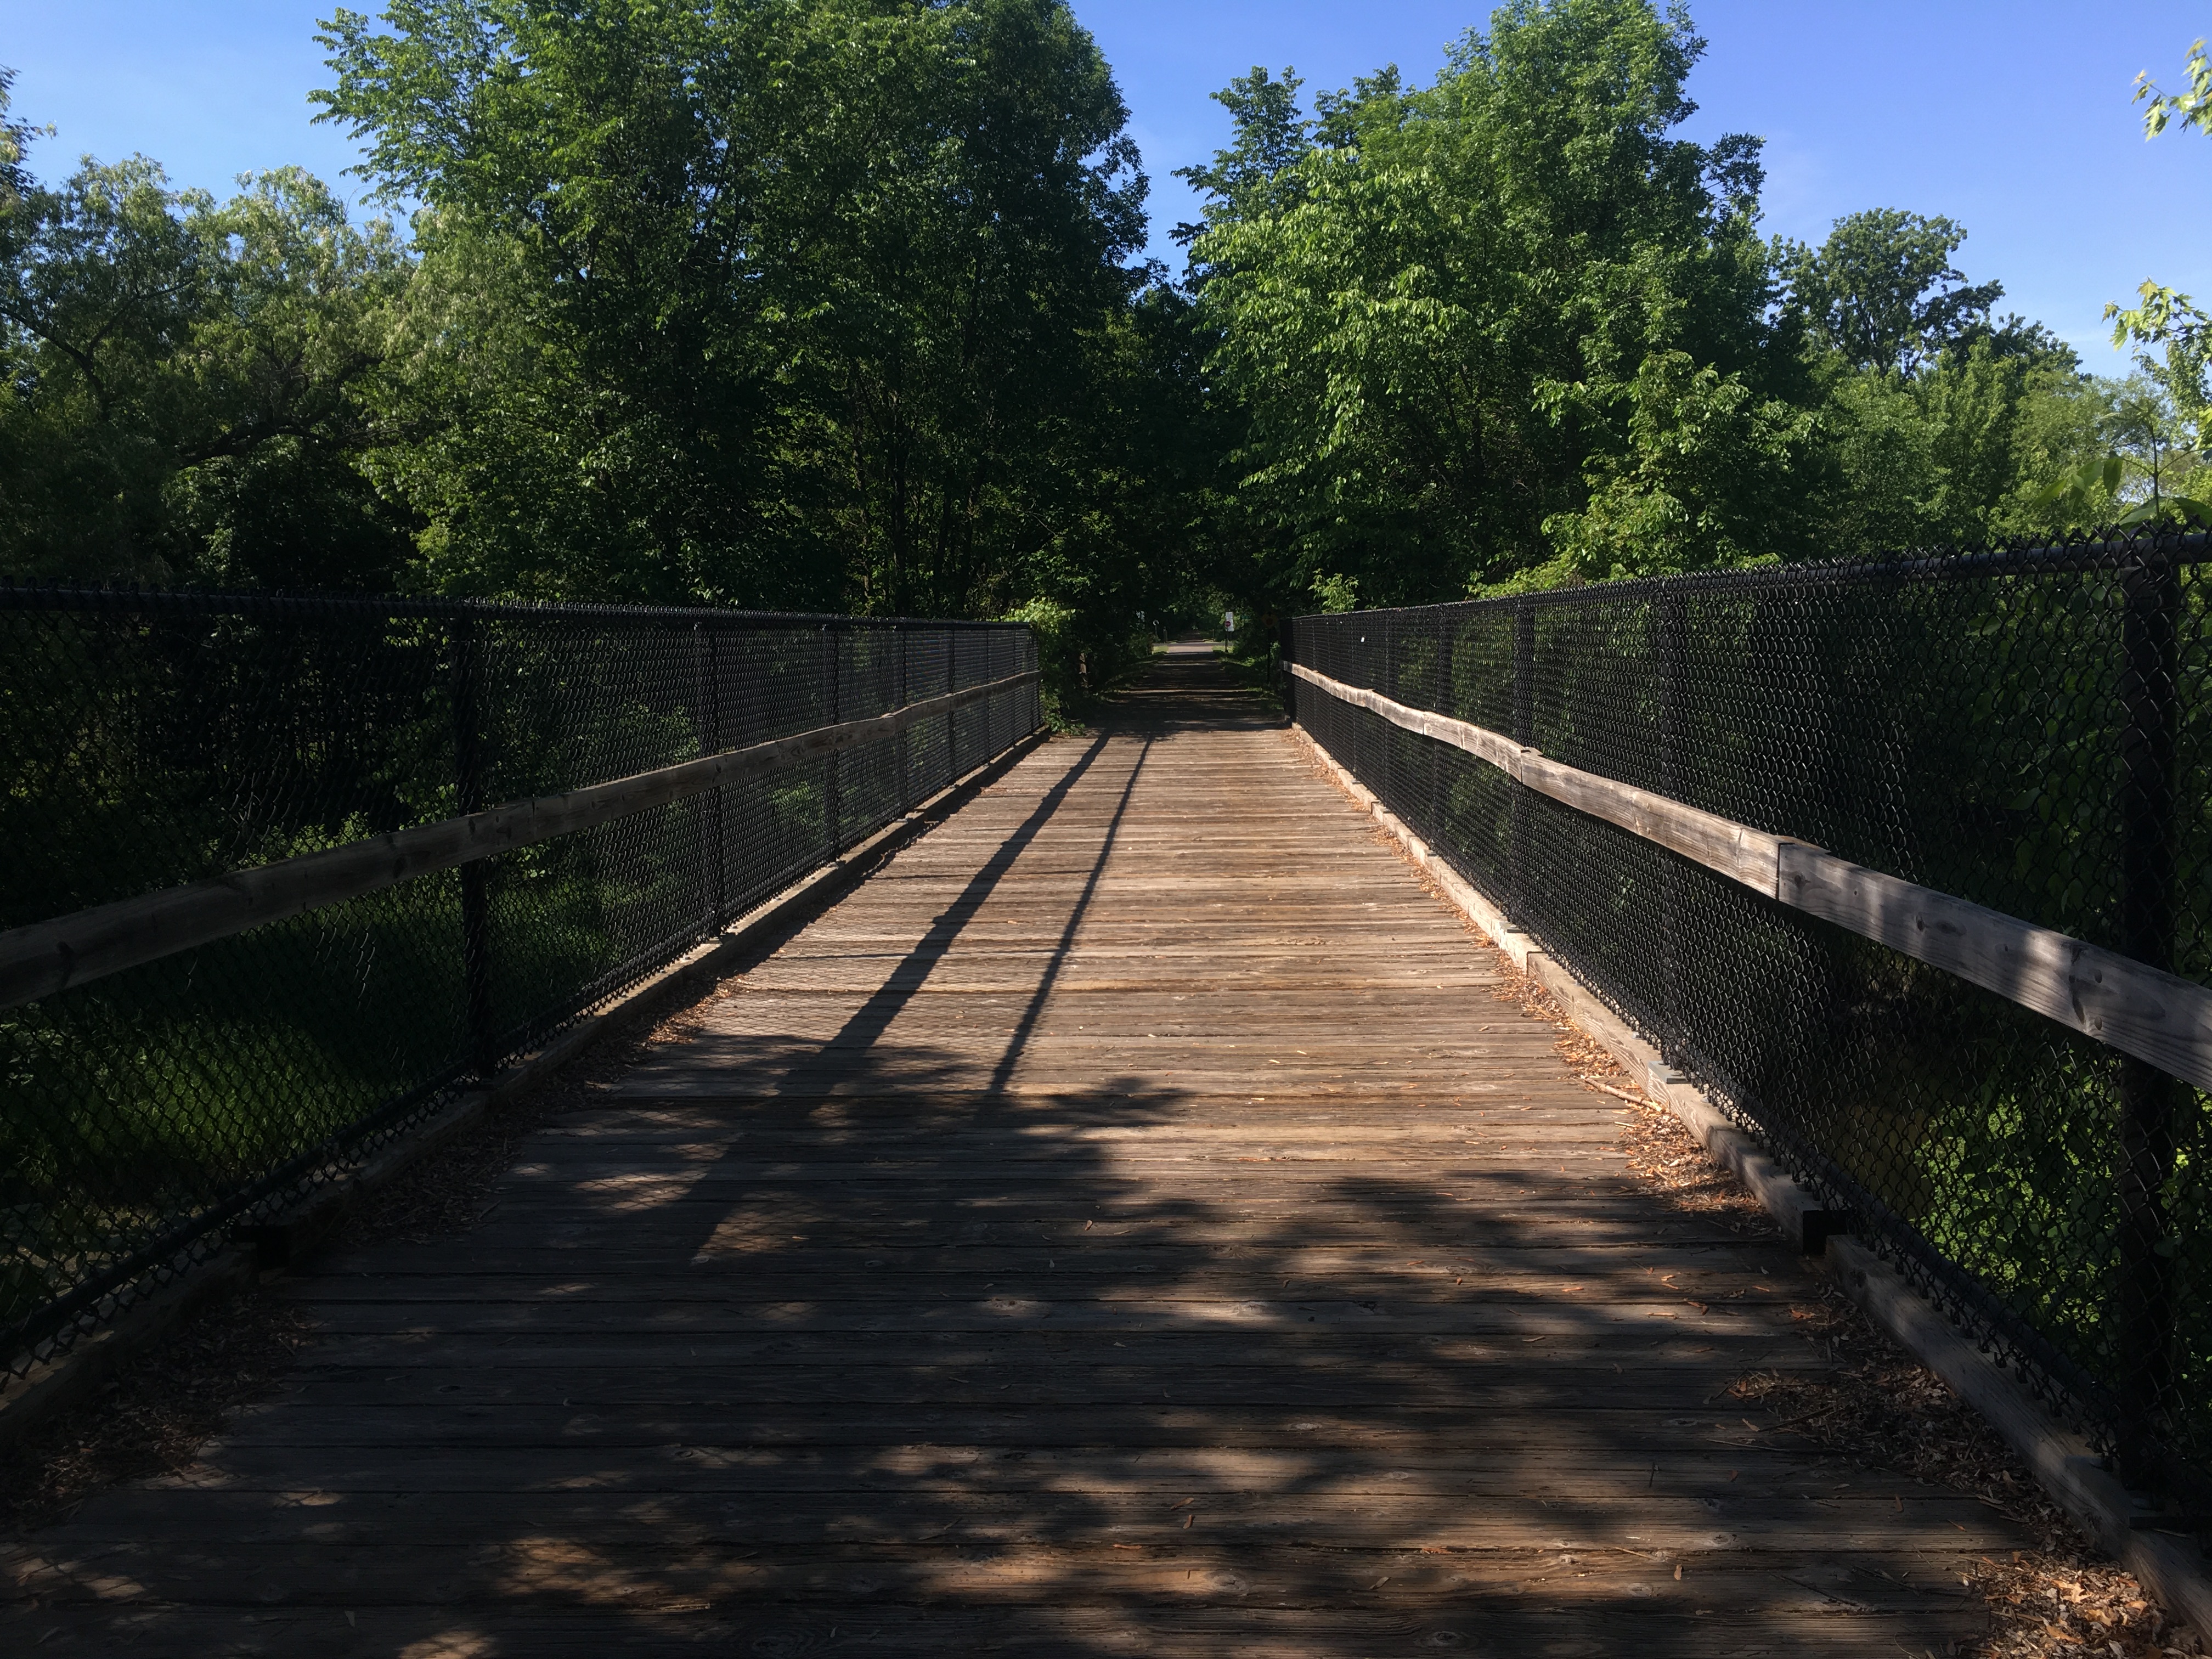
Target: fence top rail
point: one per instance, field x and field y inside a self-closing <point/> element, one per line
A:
<point x="2114" y="551"/>
<point x="187" y="602"/>
<point x="44" y="958"/>
<point x="2137" y="1008"/>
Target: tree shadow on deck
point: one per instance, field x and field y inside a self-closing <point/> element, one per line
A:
<point x="873" y="1346"/>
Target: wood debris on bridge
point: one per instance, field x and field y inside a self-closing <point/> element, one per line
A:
<point x="1128" y="1223"/>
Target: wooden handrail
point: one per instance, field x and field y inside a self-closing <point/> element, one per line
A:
<point x="47" y="957"/>
<point x="2127" y="1004"/>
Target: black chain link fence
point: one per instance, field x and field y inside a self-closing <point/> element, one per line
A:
<point x="2030" y="729"/>
<point x="154" y="740"/>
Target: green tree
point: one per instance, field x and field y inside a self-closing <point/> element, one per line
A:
<point x="1505" y="321"/>
<point x="1960" y="454"/>
<point x="2170" y="324"/>
<point x="180" y="400"/>
<point x="818" y="303"/>
<point x="1880" y="292"/>
<point x="2162" y="416"/>
<point x="1271" y="135"/>
<point x="1938" y="424"/>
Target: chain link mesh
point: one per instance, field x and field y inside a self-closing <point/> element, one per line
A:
<point x="2030" y="729"/>
<point x="153" y="739"/>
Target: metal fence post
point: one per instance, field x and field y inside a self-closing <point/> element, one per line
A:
<point x="1387" y="735"/>
<point x="1439" y="698"/>
<point x="832" y="804"/>
<point x="2143" y="1301"/>
<point x="901" y="633"/>
<point x="1524" y="727"/>
<point x="710" y="721"/>
<point x="1672" y="628"/>
<point x="1000" y="704"/>
<point x="469" y="788"/>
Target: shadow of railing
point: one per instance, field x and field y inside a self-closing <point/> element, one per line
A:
<point x="1120" y="1368"/>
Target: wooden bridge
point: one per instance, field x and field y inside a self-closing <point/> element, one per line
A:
<point x="1129" y="1224"/>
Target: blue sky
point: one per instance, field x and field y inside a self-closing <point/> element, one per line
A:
<point x="2011" y="118"/>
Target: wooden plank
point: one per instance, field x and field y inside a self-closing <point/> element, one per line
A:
<point x="449" y="1373"/>
<point x="1075" y="1319"/>
<point x="1470" y="1206"/>
<point x="1305" y="1462"/>
<point x="851" y="1272"/>
<point x="706" y="1444"/>
<point x="1285" y="1176"/>
<point x="1561" y="1258"/>
<point x="894" y="1519"/>
<point x="1049" y="1604"/>
<point x="577" y="1232"/>
<point x="1734" y="850"/>
<point x="828" y="1131"/>
<point x="48" y="957"/>
<point x="479" y="1440"/>
<point x="1530" y="1449"/>
<point x="1499" y="750"/>
<point x="1271" y="1305"/>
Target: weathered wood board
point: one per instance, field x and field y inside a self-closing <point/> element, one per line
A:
<point x="1128" y="1224"/>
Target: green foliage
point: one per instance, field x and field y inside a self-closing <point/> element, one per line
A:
<point x="178" y="395"/>
<point x="1510" y="331"/>
<point x="1501" y="319"/>
<point x="1702" y="479"/>
<point x="1961" y="453"/>
<point x="838" y="305"/>
<point x="2164" y="414"/>
<point x="1080" y="655"/>
<point x="1059" y="658"/>
<point x="2177" y="361"/>
<point x="823" y="304"/>
<point x="819" y="304"/>
<point x="1253" y="176"/>
<point x="1335" y="594"/>
<point x="2194" y="106"/>
<point x="1880" y="293"/>
<point x="2153" y="473"/>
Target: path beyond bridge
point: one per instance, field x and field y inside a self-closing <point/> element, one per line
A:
<point x="1128" y="1223"/>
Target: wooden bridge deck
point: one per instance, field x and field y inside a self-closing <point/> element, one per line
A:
<point x="1128" y="1225"/>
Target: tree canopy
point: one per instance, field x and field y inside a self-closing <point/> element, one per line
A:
<point x="822" y="304"/>
<point x="1511" y="328"/>
<point x="842" y="304"/>
<point x="812" y="304"/>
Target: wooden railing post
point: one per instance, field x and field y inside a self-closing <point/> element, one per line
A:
<point x="2143" y="1303"/>
<point x="469" y="789"/>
